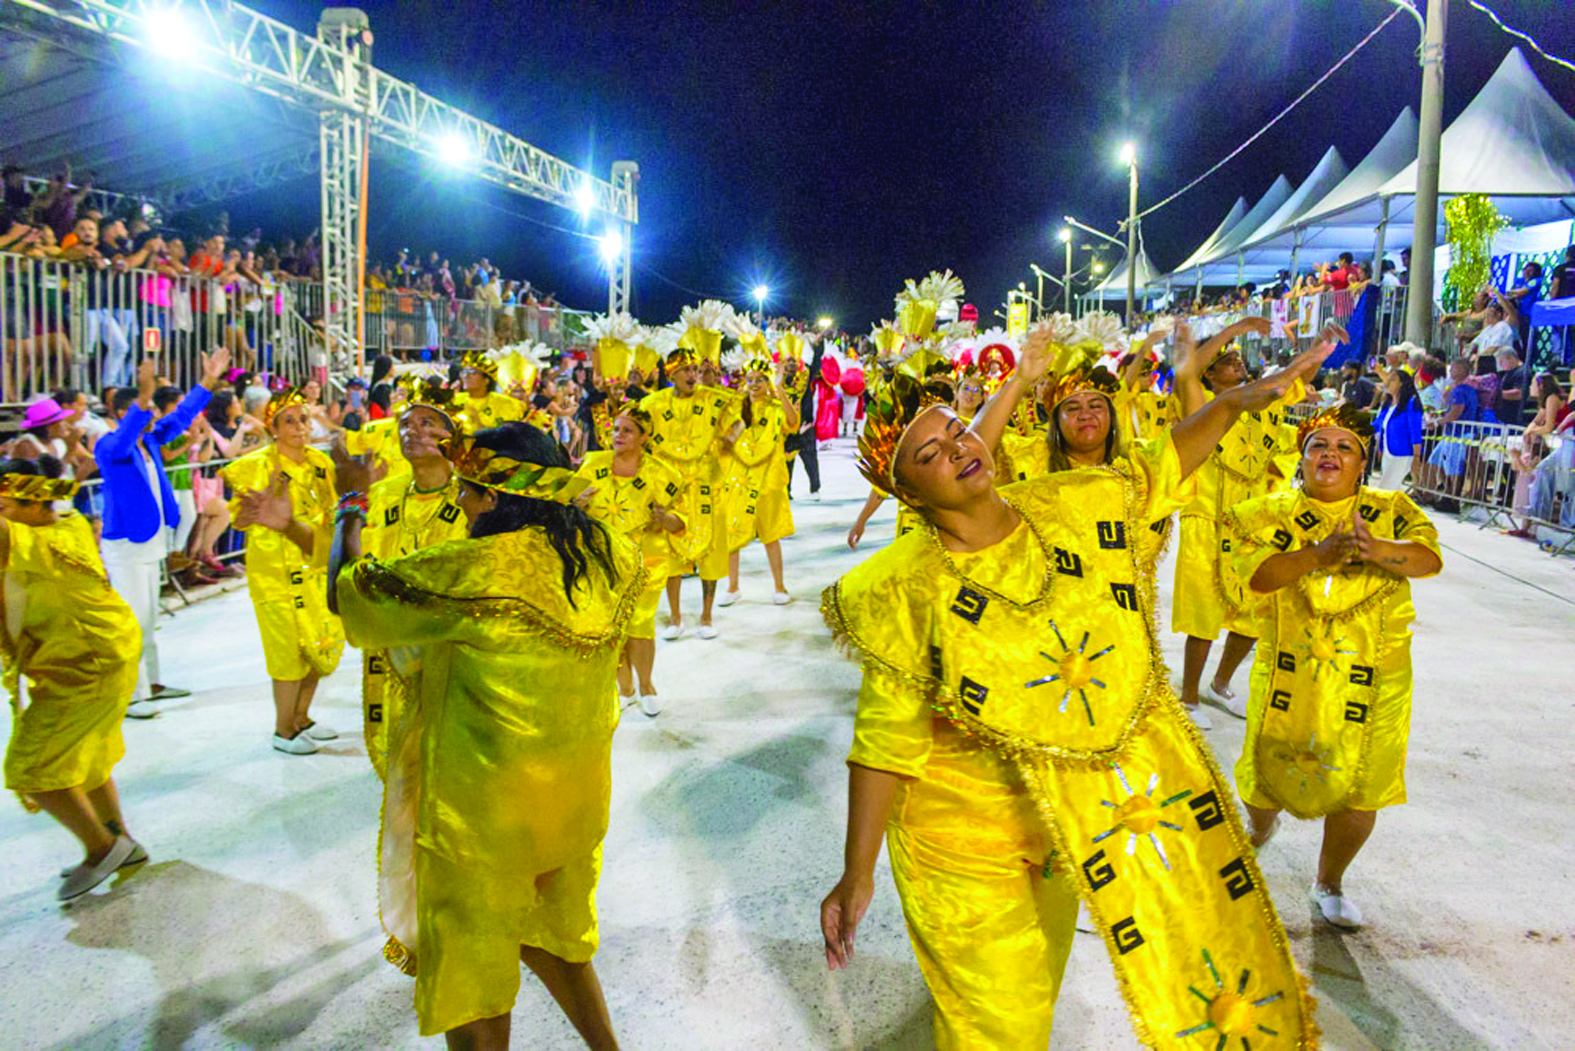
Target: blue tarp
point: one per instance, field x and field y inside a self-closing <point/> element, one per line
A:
<point x="1551" y="313"/>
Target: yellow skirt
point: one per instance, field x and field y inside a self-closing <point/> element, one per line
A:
<point x="643" y="624"/>
<point x="299" y="636"/>
<point x="1196" y="606"/>
<point x="70" y="738"/>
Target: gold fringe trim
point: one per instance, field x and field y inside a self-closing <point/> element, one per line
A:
<point x="394" y="952"/>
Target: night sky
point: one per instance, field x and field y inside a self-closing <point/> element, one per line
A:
<point x="832" y="150"/>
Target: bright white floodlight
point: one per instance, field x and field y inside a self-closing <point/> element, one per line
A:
<point x="585" y="198"/>
<point x="611" y="244"/>
<point x="1128" y="154"/>
<point x="454" y="150"/>
<point x="761" y="292"/>
<point x="170" y="33"/>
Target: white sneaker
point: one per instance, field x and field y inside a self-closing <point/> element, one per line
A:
<point x="706" y="631"/>
<point x="85" y="877"/>
<point x="1337" y="909"/>
<point x="320" y="732"/>
<point x="673" y="632"/>
<point x="625" y="696"/>
<point x="137" y="856"/>
<point x="781" y="598"/>
<point x="141" y="710"/>
<point x="1199" y="717"/>
<point x="1226" y="698"/>
<point x="729" y="597"/>
<point x="815" y="496"/>
<point x="300" y="744"/>
<point x="650" y="705"/>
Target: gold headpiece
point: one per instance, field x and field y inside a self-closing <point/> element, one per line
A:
<point x="519" y="363"/>
<point x="701" y="333"/>
<point x="37" y="487"/>
<point x="920" y="302"/>
<point x="754" y="354"/>
<point x="633" y="410"/>
<point x="1230" y="348"/>
<point x="792" y="345"/>
<point x="612" y="334"/>
<point x="1075" y="369"/>
<point x="492" y="470"/>
<point x="888" y="339"/>
<point x="889" y="409"/>
<point x="427" y="392"/>
<point x="1340" y="418"/>
<point x="281" y="400"/>
<point x="475" y="359"/>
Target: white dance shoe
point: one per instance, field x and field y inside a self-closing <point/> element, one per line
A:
<point x="320" y="731"/>
<point x="1226" y="698"/>
<point x="141" y="710"/>
<point x="300" y="744"/>
<point x="650" y="705"/>
<point x="707" y="631"/>
<point x="781" y="598"/>
<point x="85" y="877"/>
<point x="1199" y="717"/>
<point x="673" y="632"/>
<point x="728" y="598"/>
<point x="1337" y="909"/>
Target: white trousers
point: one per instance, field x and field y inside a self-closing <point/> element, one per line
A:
<point x="1393" y="472"/>
<point x="186" y="500"/>
<point x="134" y="573"/>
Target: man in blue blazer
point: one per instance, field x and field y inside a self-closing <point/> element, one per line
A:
<point x="139" y="505"/>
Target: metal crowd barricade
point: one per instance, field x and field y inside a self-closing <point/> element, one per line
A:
<point x="1496" y="475"/>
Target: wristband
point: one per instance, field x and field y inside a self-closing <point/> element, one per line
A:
<point x="352" y="504"/>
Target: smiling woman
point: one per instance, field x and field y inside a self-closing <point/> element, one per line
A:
<point x="1014" y="716"/>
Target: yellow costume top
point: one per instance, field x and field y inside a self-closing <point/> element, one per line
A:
<point x="499" y="774"/>
<point x="288" y="588"/>
<point x="757" y="483"/>
<point x="488" y="411"/>
<point x="1330" y="711"/>
<point x="624" y="506"/>
<point x="380" y="438"/>
<point x="1144" y="413"/>
<point x="686" y="437"/>
<point x="1027" y="455"/>
<point x="77" y="643"/>
<point x="401" y="520"/>
<point x="1207" y="596"/>
<point x="1040" y="652"/>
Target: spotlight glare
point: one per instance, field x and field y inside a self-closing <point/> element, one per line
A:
<point x="824" y="322"/>
<point x="170" y="34"/>
<point x="761" y="292"/>
<point x="585" y="198"/>
<point x="611" y="246"/>
<point x="1064" y="235"/>
<point x="454" y="150"/>
<point x="1128" y="154"/>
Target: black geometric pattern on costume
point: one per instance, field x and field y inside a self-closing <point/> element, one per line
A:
<point x="1401" y="525"/>
<point x="1206" y="810"/>
<point x="391" y="515"/>
<point x="1098" y="871"/>
<point x="1282" y="540"/>
<point x="1225" y="544"/>
<point x="969" y="605"/>
<point x="972" y="694"/>
<point x="1285" y="661"/>
<point x="1112" y="535"/>
<point x="449" y="513"/>
<point x="321" y="472"/>
<point x="1355" y="712"/>
<point x="1068" y="563"/>
<point x="1126" y="935"/>
<point x="602" y="472"/>
<point x="1307" y="520"/>
<point x="1126" y="596"/>
<point x="375" y="665"/>
<point x="1368" y="512"/>
<point x="1238" y="881"/>
<point x="1361" y="675"/>
<point x="1280" y="700"/>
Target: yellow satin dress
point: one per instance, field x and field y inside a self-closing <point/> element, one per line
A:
<point x="687" y="438"/>
<point x="288" y="587"/>
<point x="1146" y="412"/>
<point x="380" y="438"/>
<point x="401" y="520"/>
<point x="1329" y="716"/>
<point x="623" y="505"/>
<point x="1020" y="695"/>
<point x="756" y="498"/>
<point x="1208" y="596"/>
<point x="77" y="643"/>
<point x="499" y="774"/>
<point x="488" y="411"/>
<point x="1027" y="455"/>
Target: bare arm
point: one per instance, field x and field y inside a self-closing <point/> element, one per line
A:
<point x="993" y="417"/>
<point x="870" y="795"/>
<point x="856" y="533"/>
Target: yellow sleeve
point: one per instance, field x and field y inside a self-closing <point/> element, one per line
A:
<point x="246" y="475"/>
<point x="1408" y="523"/>
<point x="383" y="604"/>
<point x="1168" y="490"/>
<point x="892" y="731"/>
<point x="1256" y="532"/>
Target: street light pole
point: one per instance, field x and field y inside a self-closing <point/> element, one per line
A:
<point x="1424" y="236"/>
<point x="1066" y="284"/>
<point x="1129" y="154"/>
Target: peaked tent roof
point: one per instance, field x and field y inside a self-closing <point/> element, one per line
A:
<point x="1116" y="283"/>
<point x="1234" y="216"/>
<point x="1277" y="194"/>
<point x="1388" y="157"/>
<point x="1328" y="173"/>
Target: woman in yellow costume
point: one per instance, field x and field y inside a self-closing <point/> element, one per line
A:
<point x="408" y="512"/>
<point x="756" y="497"/>
<point x="77" y="644"/>
<point x="482" y="403"/>
<point x="633" y="495"/>
<point x="613" y="338"/>
<point x="1141" y="409"/>
<point x="286" y="553"/>
<point x="499" y="774"/>
<point x="1018" y="745"/>
<point x="1330" y="707"/>
<point x="1255" y="458"/>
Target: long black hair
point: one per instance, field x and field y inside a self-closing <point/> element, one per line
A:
<point x="578" y="538"/>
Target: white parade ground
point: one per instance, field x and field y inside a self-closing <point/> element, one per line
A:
<point x="255" y="923"/>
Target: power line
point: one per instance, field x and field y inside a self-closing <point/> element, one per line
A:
<point x="682" y="288"/>
<point x="1515" y="32"/>
<point x="1278" y="116"/>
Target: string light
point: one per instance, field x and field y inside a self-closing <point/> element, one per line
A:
<point x="1515" y="32"/>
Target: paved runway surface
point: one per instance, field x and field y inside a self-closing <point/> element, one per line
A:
<point x="255" y="923"/>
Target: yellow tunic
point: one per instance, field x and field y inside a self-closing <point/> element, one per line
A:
<point x="78" y="644"/>
<point x="1144" y="413"/>
<point x="288" y="587"/>
<point x="380" y="438"/>
<point x="757" y="486"/>
<point x="687" y="438"/>
<point x="401" y="521"/>
<point x="624" y="506"/>
<point x="1207" y="595"/>
<point x="1027" y="455"/>
<point x="1030" y="672"/>
<point x="1330" y="711"/>
<point x="499" y="774"/>
<point x="488" y="411"/>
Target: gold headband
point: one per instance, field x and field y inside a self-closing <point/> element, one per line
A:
<point x="285" y="399"/>
<point x="704" y="343"/>
<point x="889" y="410"/>
<point x="37" y="487"/>
<point x="613" y="355"/>
<point x="475" y="359"/>
<point x="1077" y="369"/>
<point x="490" y="470"/>
<point x="1340" y="418"/>
<point x="429" y="393"/>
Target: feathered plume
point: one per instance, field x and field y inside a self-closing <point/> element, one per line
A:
<point x="712" y="315"/>
<point x="620" y="326"/>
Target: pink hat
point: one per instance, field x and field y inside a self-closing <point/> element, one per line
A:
<point x="43" y="412"/>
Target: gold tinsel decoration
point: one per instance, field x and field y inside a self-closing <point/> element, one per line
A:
<point x="1473" y="220"/>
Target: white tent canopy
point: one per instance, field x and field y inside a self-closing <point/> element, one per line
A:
<point x="1233" y="218"/>
<point x="1114" y="287"/>
<point x="1277" y="194"/>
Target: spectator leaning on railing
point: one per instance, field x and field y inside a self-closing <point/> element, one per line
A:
<point x="139" y="504"/>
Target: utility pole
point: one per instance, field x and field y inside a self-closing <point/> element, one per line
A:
<point x="1129" y="154"/>
<point x="1424" y="237"/>
<point x="1066" y="286"/>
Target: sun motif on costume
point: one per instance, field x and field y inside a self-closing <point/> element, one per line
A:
<point x="1323" y="648"/>
<point x="1231" y="1012"/>
<point x="1074" y="671"/>
<point x="1309" y="763"/>
<point x="1140" y="815"/>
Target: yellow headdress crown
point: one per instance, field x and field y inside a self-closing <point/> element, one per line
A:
<point x="1076" y="369"/>
<point x="888" y="339"/>
<point x="920" y="302"/>
<point x="37" y="487"/>
<point x="281" y="400"/>
<point x="481" y="362"/>
<point x="492" y="470"/>
<point x="700" y="336"/>
<point x="921" y="380"/>
<point x="753" y="355"/>
<point x="1342" y="418"/>
<point x="426" y="391"/>
<point x="791" y="345"/>
<point x="612" y="335"/>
